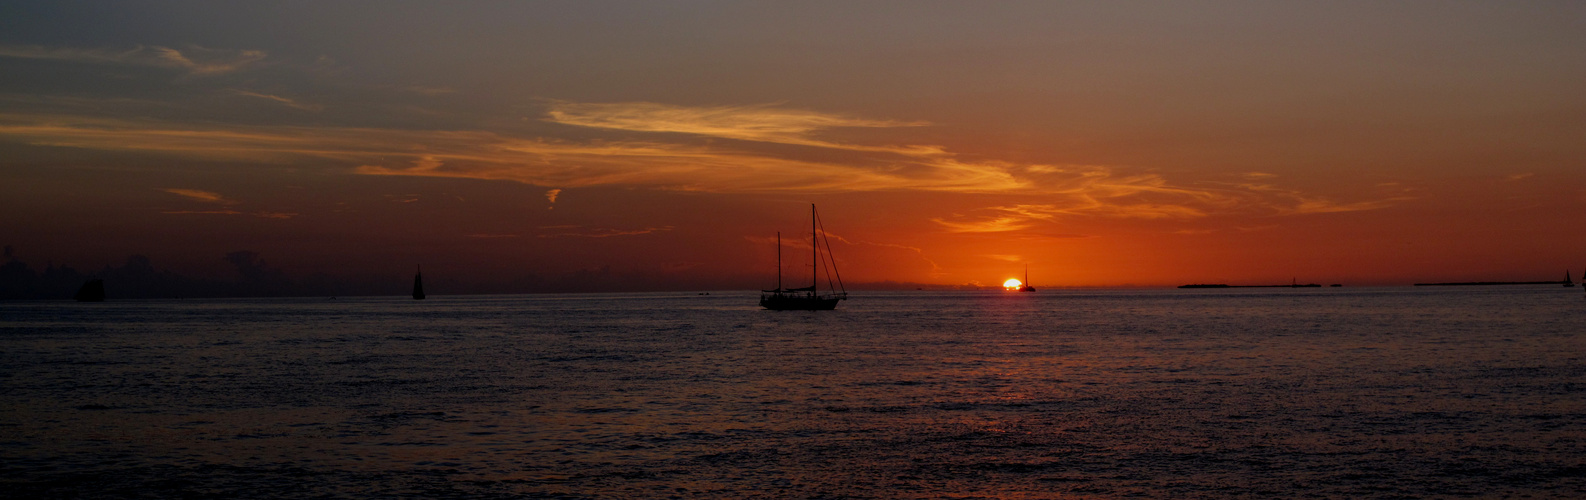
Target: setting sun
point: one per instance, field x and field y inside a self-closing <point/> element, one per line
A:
<point x="1012" y="284"/>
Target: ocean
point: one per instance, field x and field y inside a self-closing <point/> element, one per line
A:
<point x="1246" y="393"/>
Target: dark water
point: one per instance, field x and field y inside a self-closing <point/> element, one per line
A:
<point x="1468" y="392"/>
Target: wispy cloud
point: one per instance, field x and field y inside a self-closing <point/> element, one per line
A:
<point x="261" y="214"/>
<point x="289" y="102"/>
<point x="991" y="225"/>
<point x="196" y="61"/>
<point x="597" y="232"/>
<point x="706" y="166"/>
<point x="203" y="212"/>
<point x="430" y="91"/>
<point x="1098" y="192"/>
<point x="1290" y="202"/>
<point x="762" y="123"/>
<point x="541" y="162"/>
<point x="194" y="194"/>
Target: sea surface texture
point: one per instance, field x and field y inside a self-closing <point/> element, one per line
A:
<point x="1263" y="393"/>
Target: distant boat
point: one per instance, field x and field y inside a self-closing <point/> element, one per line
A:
<point x="418" y="284"/>
<point x="92" y="291"/>
<point x="1025" y="286"/>
<point x="808" y="298"/>
<point x="1568" y="283"/>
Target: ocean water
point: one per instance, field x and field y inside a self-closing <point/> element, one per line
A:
<point x="1259" y="393"/>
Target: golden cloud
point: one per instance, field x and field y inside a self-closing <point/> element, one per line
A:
<point x="747" y="123"/>
<point x="690" y="165"/>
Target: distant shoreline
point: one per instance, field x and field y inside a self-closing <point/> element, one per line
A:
<point x="1222" y="285"/>
<point x="1488" y="283"/>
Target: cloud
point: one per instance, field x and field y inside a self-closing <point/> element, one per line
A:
<point x="282" y="100"/>
<point x="993" y="225"/>
<point x="761" y="123"/>
<point x="536" y="161"/>
<point x="194" y="194"/>
<point x="1520" y="176"/>
<point x="1096" y="191"/>
<point x="1281" y="201"/>
<point x="597" y="232"/>
<point x="1008" y="258"/>
<point x="203" y="212"/>
<point x="195" y="61"/>
<point x="261" y="214"/>
<point x="742" y="166"/>
<point x="430" y="91"/>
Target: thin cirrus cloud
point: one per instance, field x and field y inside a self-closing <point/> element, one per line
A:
<point x="195" y="61"/>
<point x="260" y="214"/>
<point x="575" y="231"/>
<point x="761" y="123"/>
<point x="284" y="101"/>
<point x="213" y="197"/>
<point x="198" y="195"/>
<point x="536" y="161"/>
<point x="660" y="160"/>
<point x="1098" y="191"/>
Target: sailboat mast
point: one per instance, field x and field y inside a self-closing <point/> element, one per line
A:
<point x="815" y="253"/>
<point x="778" y="261"/>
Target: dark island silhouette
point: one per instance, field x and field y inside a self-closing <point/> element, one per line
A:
<point x="1567" y="282"/>
<point x="1295" y="284"/>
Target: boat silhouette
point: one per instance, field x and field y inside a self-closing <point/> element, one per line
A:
<point x="418" y="284"/>
<point x="1025" y="285"/>
<point x="807" y="298"/>
<point x="92" y="291"/>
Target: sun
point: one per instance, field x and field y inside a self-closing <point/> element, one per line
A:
<point x="1012" y="284"/>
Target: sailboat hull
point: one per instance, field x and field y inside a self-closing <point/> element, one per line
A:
<point x="798" y="303"/>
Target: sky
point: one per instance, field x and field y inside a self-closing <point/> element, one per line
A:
<point x="663" y="145"/>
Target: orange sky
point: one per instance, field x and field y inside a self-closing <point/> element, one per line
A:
<point x="663" y="145"/>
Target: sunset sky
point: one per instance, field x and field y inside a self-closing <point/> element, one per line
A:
<point x="663" y="144"/>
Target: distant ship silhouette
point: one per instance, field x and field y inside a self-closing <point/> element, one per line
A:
<point x="1025" y="286"/>
<point x="418" y="284"/>
<point x="805" y="299"/>
<point x="92" y="291"/>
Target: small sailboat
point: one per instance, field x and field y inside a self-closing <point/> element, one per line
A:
<point x="808" y="298"/>
<point x="92" y="291"/>
<point x="418" y="284"/>
<point x="1025" y="286"/>
<point x="1568" y="283"/>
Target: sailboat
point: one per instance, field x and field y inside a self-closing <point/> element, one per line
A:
<point x="92" y="291"/>
<point x="1025" y="286"/>
<point x="808" y="298"/>
<point x="1567" y="282"/>
<point x="418" y="284"/>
